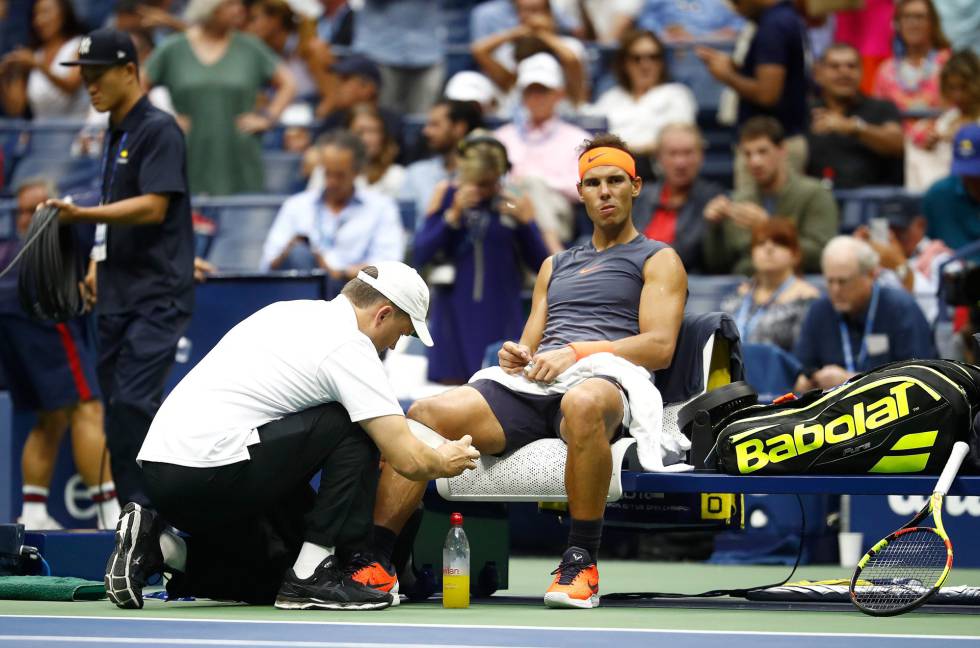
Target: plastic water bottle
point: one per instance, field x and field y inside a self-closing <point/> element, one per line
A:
<point x="456" y="565"/>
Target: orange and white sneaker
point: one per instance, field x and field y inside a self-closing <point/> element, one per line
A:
<point x="367" y="570"/>
<point x="576" y="583"/>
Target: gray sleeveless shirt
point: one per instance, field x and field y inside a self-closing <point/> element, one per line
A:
<point x="595" y="295"/>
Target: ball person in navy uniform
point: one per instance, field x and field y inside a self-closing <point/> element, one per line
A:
<point x="142" y="276"/>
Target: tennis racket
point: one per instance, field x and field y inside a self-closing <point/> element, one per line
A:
<point x="904" y="569"/>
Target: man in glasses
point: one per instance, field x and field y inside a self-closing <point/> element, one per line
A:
<point x="142" y="266"/>
<point x="861" y="323"/>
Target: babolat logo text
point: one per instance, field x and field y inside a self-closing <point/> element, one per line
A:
<point x="754" y="454"/>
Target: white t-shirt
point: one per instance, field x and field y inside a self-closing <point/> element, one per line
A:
<point x="638" y="121"/>
<point x="286" y="358"/>
<point x="46" y="99"/>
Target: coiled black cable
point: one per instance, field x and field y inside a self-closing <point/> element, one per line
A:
<point x="49" y="274"/>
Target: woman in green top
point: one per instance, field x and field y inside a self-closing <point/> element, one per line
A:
<point x="214" y="74"/>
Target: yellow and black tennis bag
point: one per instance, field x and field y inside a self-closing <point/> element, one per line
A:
<point x="900" y="418"/>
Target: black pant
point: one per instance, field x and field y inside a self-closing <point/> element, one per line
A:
<point x="248" y="520"/>
<point x="136" y="352"/>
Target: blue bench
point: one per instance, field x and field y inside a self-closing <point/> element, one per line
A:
<point x="698" y="482"/>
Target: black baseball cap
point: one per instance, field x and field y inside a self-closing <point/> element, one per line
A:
<point x="105" y="47"/>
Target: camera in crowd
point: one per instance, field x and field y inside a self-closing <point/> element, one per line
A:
<point x="962" y="286"/>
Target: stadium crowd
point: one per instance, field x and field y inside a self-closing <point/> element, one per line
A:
<point x="831" y="159"/>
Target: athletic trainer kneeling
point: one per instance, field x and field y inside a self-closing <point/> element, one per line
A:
<point x="296" y="388"/>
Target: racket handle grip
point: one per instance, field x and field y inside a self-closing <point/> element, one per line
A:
<point x="956" y="457"/>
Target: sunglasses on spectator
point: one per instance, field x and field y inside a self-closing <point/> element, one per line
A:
<point x="638" y="58"/>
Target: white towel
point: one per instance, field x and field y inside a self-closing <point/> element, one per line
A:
<point x="658" y="451"/>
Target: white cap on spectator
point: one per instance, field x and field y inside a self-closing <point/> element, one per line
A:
<point x="541" y="68"/>
<point x="405" y="288"/>
<point x="470" y="86"/>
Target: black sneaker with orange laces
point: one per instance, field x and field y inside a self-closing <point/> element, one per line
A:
<point x="576" y="583"/>
<point x="364" y="568"/>
<point x="328" y="589"/>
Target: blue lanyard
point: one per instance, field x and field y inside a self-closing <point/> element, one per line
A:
<point x="107" y="186"/>
<point x="743" y="321"/>
<point x="101" y="230"/>
<point x="845" y="338"/>
<point x="324" y="219"/>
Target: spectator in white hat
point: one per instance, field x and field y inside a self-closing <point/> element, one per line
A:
<point x="468" y="85"/>
<point x="541" y="143"/>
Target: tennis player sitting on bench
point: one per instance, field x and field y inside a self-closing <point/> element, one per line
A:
<point x="622" y="294"/>
<point x="295" y="389"/>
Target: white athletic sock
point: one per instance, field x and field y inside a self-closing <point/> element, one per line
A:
<point x="106" y="505"/>
<point x="174" y="551"/>
<point x="310" y="557"/>
<point x="34" y="514"/>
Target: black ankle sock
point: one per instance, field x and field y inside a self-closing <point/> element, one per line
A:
<point x="384" y="542"/>
<point x="586" y="534"/>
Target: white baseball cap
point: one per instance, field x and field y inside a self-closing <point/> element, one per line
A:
<point x="405" y="288"/>
<point x="541" y="68"/>
<point x="468" y="85"/>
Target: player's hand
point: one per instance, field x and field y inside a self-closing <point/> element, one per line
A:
<point x="67" y="212"/>
<point x="718" y="209"/>
<point x="252" y="123"/>
<point x="513" y="357"/>
<point x="748" y="215"/>
<point x="458" y="456"/>
<point x="546" y="367"/>
<point x="202" y="269"/>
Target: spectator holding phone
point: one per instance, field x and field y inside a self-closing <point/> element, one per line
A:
<point x="489" y="236"/>
<point x="340" y="228"/>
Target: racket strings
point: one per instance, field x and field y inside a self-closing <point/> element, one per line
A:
<point x="903" y="571"/>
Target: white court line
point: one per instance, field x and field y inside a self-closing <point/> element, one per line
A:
<point x="230" y="642"/>
<point x="754" y="633"/>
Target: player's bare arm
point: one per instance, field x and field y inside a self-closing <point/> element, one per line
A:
<point x="513" y="357"/>
<point x="661" y="312"/>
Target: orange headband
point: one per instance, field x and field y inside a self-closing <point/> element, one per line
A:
<point x="606" y="156"/>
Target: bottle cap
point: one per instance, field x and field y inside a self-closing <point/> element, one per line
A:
<point x="456" y="519"/>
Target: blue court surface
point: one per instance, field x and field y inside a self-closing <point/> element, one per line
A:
<point x="513" y="618"/>
<point x="74" y="631"/>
